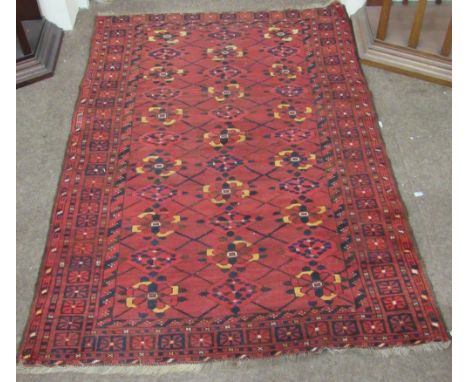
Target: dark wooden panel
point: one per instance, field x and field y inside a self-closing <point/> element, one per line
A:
<point x="41" y="64"/>
<point x="27" y="10"/>
<point x="22" y="38"/>
<point x="374" y="2"/>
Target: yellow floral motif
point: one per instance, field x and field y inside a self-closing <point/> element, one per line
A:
<point x="159" y="166"/>
<point x="147" y="295"/>
<point x="228" y="51"/>
<point x="297" y="212"/>
<point x="168" y="37"/>
<point x="223" y="137"/>
<point x="166" y="117"/>
<point x="310" y="282"/>
<point x="238" y="252"/>
<point x="280" y="34"/>
<point x="163" y="74"/>
<point x="287" y="111"/>
<point x="228" y="91"/>
<point x="294" y="159"/>
<point x="284" y="71"/>
<point x="222" y="193"/>
<point x="159" y="224"/>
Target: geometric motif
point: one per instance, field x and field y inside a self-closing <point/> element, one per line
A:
<point x="224" y="163"/>
<point x="234" y="292"/>
<point x="157" y="192"/>
<point x="153" y="259"/>
<point x="310" y="248"/>
<point x="230" y="220"/>
<point x="299" y="185"/>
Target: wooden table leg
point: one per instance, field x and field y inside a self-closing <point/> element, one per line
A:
<point x="447" y="45"/>
<point x="417" y="24"/>
<point x="383" y="19"/>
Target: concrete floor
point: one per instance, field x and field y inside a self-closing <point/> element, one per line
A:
<point x="416" y="118"/>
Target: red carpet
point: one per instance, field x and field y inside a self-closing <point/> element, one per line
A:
<point x="225" y="194"/>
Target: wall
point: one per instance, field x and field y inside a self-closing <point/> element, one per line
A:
<point x="353" y="5"/>
<point x="62" y="12"/>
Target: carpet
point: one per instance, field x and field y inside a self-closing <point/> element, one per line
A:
<point x="225" y="194"/>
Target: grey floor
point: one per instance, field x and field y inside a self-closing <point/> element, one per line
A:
<point x="416" y="118"/>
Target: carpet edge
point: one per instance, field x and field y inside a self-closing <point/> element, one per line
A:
<point x="164" y="369"/>
<point x="325" y="4"/>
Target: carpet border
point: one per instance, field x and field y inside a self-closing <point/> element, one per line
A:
<point x="57" y="190"/>
<point x="159" y="369"/>
<point x="408" y="226"/>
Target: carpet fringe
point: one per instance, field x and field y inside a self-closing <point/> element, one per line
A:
<point x="398" y="350"/>
<point x="164" y="369"/>
<point x="323" y="4"/>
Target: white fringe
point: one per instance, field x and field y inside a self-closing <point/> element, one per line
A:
<point x="164" y="369"/>
<point x="317" y="4"/>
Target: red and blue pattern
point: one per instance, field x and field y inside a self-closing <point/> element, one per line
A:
<point x="225" y="194"/>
